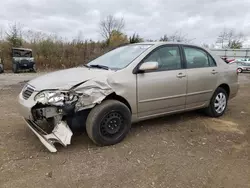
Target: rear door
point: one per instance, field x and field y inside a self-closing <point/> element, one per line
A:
<point x="202" y="74"/>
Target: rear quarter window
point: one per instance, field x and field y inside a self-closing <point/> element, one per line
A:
<point x="211" y="60"/>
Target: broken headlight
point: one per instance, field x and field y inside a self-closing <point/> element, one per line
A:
<point x="57" y="98"/>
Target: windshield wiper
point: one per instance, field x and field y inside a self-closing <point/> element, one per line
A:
<point x="99" y="66"/>
<point x="84" y="65"/>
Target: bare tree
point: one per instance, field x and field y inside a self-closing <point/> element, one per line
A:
<point x="228" y="38"/>
<point x="177" y="36"/>
<point x="164" y="38"/>
<point x="222" y="38"/>
<point x="14" y="35"/>
<point x="78" y="38"/>
<point x="110" y="24"/>
<point x="204" y="45"/>
<point x="236" y="41"/>
<point x="212" y="46"/>
<point x="135" y="38"/>
<point x="230" y="35"/>
<point x="1" y="34"/>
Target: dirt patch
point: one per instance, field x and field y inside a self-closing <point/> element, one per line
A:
<point x="223" y="125"/>
<point x="242" y="146"/>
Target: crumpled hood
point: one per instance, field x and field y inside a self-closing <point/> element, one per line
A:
<point x="65" y="79"/>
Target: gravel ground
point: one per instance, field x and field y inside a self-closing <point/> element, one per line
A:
<point x="9" y="79"/>
<point x="184" y="150"/>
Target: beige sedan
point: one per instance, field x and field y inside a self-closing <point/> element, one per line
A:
<point x="128" y="84"/>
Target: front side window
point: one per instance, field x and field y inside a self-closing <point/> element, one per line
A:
<point x="168" y="58"/>
<point x="196" y="58"/>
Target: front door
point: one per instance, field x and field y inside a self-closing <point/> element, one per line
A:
<point x="202" y="74"/>
<point x="163" y="90"/>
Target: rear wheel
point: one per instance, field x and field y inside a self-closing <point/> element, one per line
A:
<point x="1" y="68"/>
<point x="34" y="68"/>
<point x="108" y="123"/>
<point x="218" y="103"/>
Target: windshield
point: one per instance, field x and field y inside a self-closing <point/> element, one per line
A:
<point x="120" y="57"/>
<point x="21" y="53"/>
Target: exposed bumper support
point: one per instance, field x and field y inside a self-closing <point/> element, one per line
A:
<point x="60" y="134"/>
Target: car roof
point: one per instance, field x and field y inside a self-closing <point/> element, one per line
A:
<point x="159" y="43"/>
<point x="163" y="42"/>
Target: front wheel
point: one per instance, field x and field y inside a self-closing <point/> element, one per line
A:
<point x="218" y="103"/>
<point x="15" y="68"/>
<point x="108" y="123"/>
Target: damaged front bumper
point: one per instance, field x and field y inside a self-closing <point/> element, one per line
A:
<point x="59" y="105"/>
<point x="60" y="134"/>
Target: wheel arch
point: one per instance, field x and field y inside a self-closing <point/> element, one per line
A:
<point x="225" y="87"/>
<point x="241" y="69"/>
<point x="114" y="96"/>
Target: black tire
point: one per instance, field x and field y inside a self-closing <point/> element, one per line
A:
<point x="1" y="68"/>
<point x="108" y="123"/>
<point x="211" y="109"/>
<point x="15" y="68"/>
<point x="34" y="68"/>
<point x="239" y="70"/>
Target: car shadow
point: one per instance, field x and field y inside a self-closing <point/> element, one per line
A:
<point x="80" y="140"/>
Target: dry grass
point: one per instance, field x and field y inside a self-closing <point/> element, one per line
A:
<point x="54" y="54"/>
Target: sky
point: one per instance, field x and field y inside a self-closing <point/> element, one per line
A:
<point x="200" y="20"/>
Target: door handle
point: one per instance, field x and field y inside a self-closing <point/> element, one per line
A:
<point x="180" y="75"/>
<point x="214" y="72"/>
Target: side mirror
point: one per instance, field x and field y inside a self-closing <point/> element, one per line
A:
<point x="152" y="65"/>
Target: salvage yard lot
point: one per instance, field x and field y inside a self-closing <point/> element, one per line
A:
<point x="184" y="150"/>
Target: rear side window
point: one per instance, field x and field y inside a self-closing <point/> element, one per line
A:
<point x="197" y="58"/>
